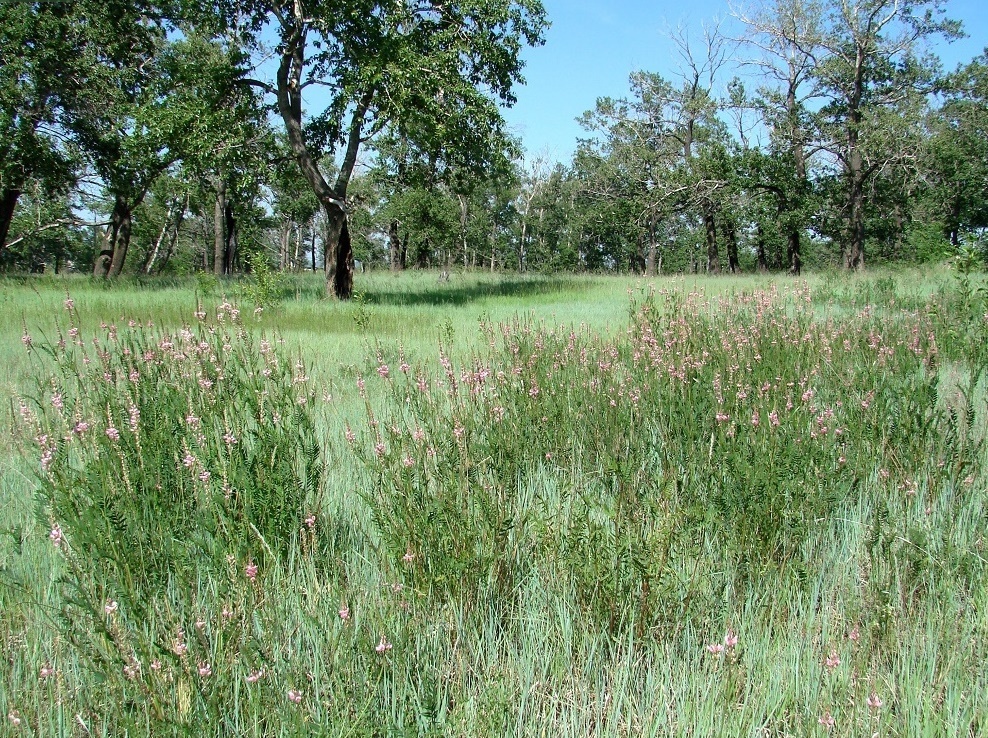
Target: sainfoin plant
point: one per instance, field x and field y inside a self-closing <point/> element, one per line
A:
<point x="703" y="443"/>
<point x="177" y="470"/>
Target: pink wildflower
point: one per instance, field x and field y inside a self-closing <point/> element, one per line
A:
<point x="409" y="556"/>
<point x="110" y="607"/>
<point x="730" y="639"/>
<point x="383" y="646"/>
<point x="294" y="696"/>
<point x="716" y="648"/>
<point x="46" y="671"/>
<point x="255" y="676"/>
<point x="251" y="571"/>
<point x="14" y="717"/>
<point x="310" y="521"/>
<point x="344" y="613"/>
<point x="855" y="634"/>
<point x="874" y="701"/>
<point x="205" y="669"/>
<point x="832" y="661"/>
<point x="69" y="303"/>
<point x="827" y="720"/>
<point x="113" y="434"/>
<point x="55" y="536"/>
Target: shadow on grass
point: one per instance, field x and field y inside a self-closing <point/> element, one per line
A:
<point x="452" y="294"/>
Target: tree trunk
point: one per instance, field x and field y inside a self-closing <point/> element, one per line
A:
<point x="761" y="256"/>
<point x="731" y="241"/>
<point x="8" y="203"/>
<point x="854" y="255"/>
<point x="794" y="257"/>
<point x="313" y="244"/>
<point x="653" y="248"/>
<point x="710" y="226"/>
<point x="123" y="240"/>
<point x="156" y="249"/>
<point x="521" y="245"/>
<point x="394" y="244"/>
<point x="339" y="263"/>
<point x="231" y="241"/>
<point x="111" y="259"/>
<point x="219" y="239"/>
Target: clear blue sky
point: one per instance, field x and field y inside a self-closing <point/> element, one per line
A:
<point x="593" y="45"/>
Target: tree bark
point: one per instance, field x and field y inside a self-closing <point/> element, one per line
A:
<point x="104" y="260"/>
<point x="394" y="246"/>
<point x="8" y="203"/>
<point x="731" y="241"/>
<point x="231" y="244"/>
<point x="339" y="262"/>
<point x="219" y="237"/>
<point x="122" y="242"/>
<point x="854" y="254"/>
<point x="710" y="226"/>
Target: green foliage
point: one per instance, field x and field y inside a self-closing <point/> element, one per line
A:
<point x="570" y="567"/>
<point x="175" y="466"/>
<point x="720" y="432"/>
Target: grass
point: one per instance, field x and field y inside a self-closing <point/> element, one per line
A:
<point x="607" y="547"/>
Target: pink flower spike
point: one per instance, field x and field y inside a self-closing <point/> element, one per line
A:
<point x="310" y="521"/>
<point x="294" y="696"/>
<point x="255" y="676"/>
<point x="383" y="646"/>
<point x="832" y="661"/>
<point x="855" y="634"/>
<point x="251" y="571"/>
<point x="827" y="720"/>
<point x="874" y="701"/>
<point x="47" y="670"/>
<point x="409" y="556"/>
<point x="345" y="613"/>
<point x="716" y="648"/>
<point x="205" y="669"/>
<point x="55" y="536"/>
<point x="110" y="607"/>
<point x="730" y="639"/>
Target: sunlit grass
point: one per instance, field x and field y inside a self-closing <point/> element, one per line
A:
<point x="890" y="580"/>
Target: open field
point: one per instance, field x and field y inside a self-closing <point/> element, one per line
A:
<point x="516" y="505"/>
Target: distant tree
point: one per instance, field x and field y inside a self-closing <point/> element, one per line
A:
<point x="955" y="157"/>
<point x="433" y="71"/>
<point x="869" y="56"/>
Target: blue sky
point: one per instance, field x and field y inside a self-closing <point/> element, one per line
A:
<point x="593" y="46"/>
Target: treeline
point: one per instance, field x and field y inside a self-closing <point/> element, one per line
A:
<point x="171" y="137"/>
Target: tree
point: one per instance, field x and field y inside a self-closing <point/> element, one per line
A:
<point x="869" y="58"/>
<point x="785" y="35"/>
<point x="177" y="101"/>
<point x="955" y="157"/>
<point x="431" y="70"/>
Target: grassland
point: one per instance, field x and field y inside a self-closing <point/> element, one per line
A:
<point x="690" y="506"/>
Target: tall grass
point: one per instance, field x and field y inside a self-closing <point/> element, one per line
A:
<point x="734" y="508"/>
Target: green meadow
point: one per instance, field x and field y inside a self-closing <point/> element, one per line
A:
<point x="495" y="505"/>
